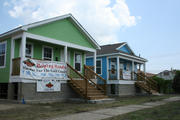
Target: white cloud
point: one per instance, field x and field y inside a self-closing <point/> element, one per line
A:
<point x="101" y="19"/>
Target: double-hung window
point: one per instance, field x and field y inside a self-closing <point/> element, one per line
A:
<point x="47" y="53"/>
<point x="2" y="54"/>
<point x="29" y="50"/>
<point x="78" y="59"/>
<point x="99" y="67"/>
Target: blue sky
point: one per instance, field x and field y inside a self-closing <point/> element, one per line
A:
<point x="151" y="27"/>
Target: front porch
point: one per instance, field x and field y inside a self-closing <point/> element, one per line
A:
<point x="37" y="47"/>
<point x="122" y="70"/>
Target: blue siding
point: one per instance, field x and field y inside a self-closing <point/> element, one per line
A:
<point x="104" y="68"/>
<point x="89" y="62"/>
<point x="125" y="49"/>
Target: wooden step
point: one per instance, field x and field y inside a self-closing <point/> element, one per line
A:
<point x="92" y="94"/>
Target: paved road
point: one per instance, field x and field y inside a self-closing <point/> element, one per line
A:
<point x="110" y="112"/>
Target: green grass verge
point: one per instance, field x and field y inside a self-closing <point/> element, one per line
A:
<point x="42" y="111"/>
<point x="169" y="111"/>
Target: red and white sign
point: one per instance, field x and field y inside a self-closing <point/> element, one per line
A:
<point x="48" y="85"/>
<point x="38" y="69"/>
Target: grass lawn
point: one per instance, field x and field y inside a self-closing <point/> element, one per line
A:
<point x="50" y="110"/>
<point x="170" y="111"/>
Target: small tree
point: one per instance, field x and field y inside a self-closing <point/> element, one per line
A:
<point x="176" y="82"/>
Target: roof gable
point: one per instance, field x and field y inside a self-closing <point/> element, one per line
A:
<point x="125" y="49"/>
<point x="82" y="32"/>
<point x="63" y="30"/>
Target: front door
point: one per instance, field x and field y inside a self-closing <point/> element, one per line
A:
<point x="112" y="69"/>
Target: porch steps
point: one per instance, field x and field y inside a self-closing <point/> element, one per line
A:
<point x="146" y="87"/>
<point x="92" y="92"/>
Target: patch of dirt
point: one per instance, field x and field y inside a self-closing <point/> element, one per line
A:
<point x="11" y="106"/>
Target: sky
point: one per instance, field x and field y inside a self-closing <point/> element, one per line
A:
<point x="150" y="27"/>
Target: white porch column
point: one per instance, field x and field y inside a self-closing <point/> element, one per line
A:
<point x="139" y="67"/>
<point x="118" y="75"/>
<point x="23" y="46"/>
<point x="133" y="70"/>
<point x="144" y="68"/>
<point x="65" y="54"/>
<point x="23" y="52"/>
<point x="95" y="61"/>
<point x="12" y="56"/>
<point x="107" y="71"/>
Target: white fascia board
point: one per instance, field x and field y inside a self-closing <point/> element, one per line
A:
<point x="138" y="58"/>
<point x="32" y="25"/>
<point x="87" y="34"/>
<point x="26" y="27"/>
<point x="10" y="32"/>
<point x="58" y="42"/>
<point x="141" y="60"/>
<point x="121" y="46"/>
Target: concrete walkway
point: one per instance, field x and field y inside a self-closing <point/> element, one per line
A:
<point x="110" y="112"/>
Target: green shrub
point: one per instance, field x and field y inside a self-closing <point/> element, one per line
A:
<point x="164" y="86"/>
<point x="176" y="82"/>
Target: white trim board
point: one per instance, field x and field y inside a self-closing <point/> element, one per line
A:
<point x="26" y="80"/>
<point x="58" y="42"/>
<point x="120" y="82"/>
<point x="124" y="56"/>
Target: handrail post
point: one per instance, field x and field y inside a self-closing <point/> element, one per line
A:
<point x="86" y="82"/>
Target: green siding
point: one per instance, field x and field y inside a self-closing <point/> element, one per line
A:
<point x="17" y="47"/>
<point x="38" y="48"/>
<point x="63" y="30"/>
<point x="71" y="57"/>
<point x="4" y="72"/>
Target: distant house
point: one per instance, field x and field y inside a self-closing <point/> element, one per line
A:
<point x="167" y="74"/>
<point x="117" y="64"/>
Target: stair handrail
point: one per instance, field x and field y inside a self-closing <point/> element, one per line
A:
<point x="151" y="83"/>
<point x="88" y="68"/>
<point x="155" y="84"/>
<point x="86" y="80"/>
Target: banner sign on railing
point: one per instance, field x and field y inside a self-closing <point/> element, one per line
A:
<point x="38" y="69"/>
<point x="48" y="85"/>
<point x="127" y="75"/>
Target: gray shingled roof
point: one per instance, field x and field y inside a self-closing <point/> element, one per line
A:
<point x="109" y="49"/>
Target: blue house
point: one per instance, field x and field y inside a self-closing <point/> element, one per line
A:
<point x="117" y="64"/>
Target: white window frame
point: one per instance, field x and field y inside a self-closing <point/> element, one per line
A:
<point x="101" y="65"/>
<point x="32" y="50"/>
<point x="5" y="42"/>
<point x="80" y="62"/>
<point x="43" y="52"/>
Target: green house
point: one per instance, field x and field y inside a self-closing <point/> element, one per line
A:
<point x="58" y="40"/>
